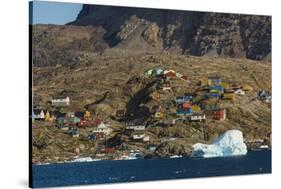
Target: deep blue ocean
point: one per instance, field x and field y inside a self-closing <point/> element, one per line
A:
<point x="99" y="172"/>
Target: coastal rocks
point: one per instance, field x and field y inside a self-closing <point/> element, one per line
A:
<point x="173" y="147"/>
<point x="229" y="143"/>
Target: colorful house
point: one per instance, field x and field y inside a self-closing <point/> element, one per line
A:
<point x="159" y="115"/>
<point x="195" y="108"/>
<point x="183" y="112"/>
<point x="184" y="98"/>
<point x="213" y="95"/>
<point x="184" y="105"/>
<point x="216" y="89"/>
<point x="170" y="74"/>
<point x="247" y="88"/>
<point x="218" y="114"/>
<point x="228" y="96"/>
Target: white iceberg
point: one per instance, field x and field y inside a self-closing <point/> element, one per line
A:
<point x="230" y="143"/>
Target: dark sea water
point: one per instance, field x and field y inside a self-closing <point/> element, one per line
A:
<point x="255" y="162"/>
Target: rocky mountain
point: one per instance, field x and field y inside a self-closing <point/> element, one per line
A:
<point x="195" y="33"/>
<point x="108" y="30"/>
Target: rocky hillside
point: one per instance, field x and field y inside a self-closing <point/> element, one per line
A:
<point x="195" y="33"/>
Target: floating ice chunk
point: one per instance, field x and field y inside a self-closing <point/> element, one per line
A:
<point x="229" y="143"/>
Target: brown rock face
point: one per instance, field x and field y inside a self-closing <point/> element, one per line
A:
<point x="195" y="33"/>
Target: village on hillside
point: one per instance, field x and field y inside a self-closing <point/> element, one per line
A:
<point x="208" y="101"/>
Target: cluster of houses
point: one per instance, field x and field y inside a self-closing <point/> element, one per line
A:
<point x="212" y="90"/>
<point x="72" y="120"/>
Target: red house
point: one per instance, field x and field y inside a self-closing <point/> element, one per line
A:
<point x="219" y="114"/>
<point x="185" y="105"/>
<point x="100" y="136"/>
<point x="83" y="124"/>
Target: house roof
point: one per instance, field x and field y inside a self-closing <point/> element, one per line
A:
<point x="37" y="111"/>
<point x="60" y="97"/>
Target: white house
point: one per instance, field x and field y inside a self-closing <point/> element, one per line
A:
<point x="103" y="128"/>
<point x="38" y="114"/>
<point x="197" y="117"/>
<point x="240" y="92"/>
<point x="138" y="135"/>
<point x="61" y="101"/>
<point x="136" y="127"/>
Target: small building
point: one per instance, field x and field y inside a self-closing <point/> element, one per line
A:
<point x="216" y="89"/>
<point x="184" y="112"/>
<point x="158" y="71"/>
<point x="247" y="88"/>
<point x="213" y="95"/>
<point x="74" y="132"/>
<point x="184" y="98"/>
<point x="83" y="123"/>
<point x="99" y="135"/>
<point x="195" y="108"/>
<point x="38" y="114"/>
<point x="148" y="72"/>
<point x="103" y="128"/>
<point x="219" y="114"/>
<point x="240" y="92"/>
<point x="215" y="80"/>
<point x="159" y="115"/>
<point x="210" y="104"/>
<point x="138" y="135"/>
<point x="197" y="117"/>
<point x="228" y="96"/>
<point x="136" y="127"/>
<point x="166" y="86"/>
<point x="120" y="114"/>
<point x="184" y="105"/>
<point x="170" y="74"/>
<point x="60" y="101"/>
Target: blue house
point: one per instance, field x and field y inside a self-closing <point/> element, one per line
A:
<point x="213" y="95"/>
<point x="184" y="98"/>
<point x="184" y="111"/>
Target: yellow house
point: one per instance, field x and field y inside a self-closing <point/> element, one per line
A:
<point x="195" y="108"/>
<point x="225" y="85"/>
<point x="247" y="88"/>
<point x="228" y="96"/>
<point x="159" y="115"/>
<point x="87" y="114"/>
<point x="47" y="116"/>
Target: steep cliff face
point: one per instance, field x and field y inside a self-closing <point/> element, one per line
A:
<point x="195" y="33"/>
